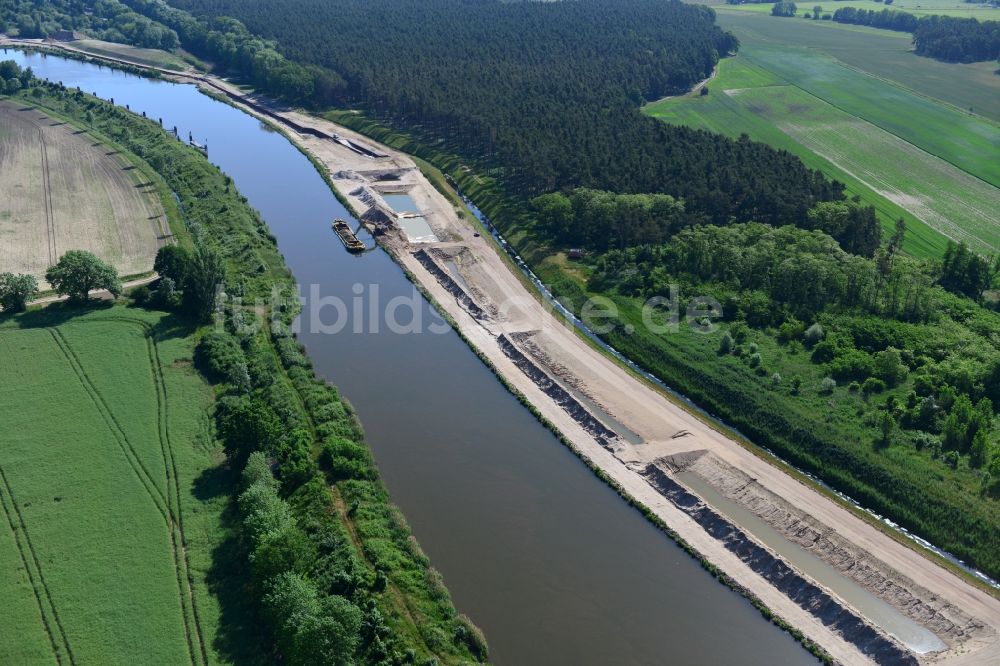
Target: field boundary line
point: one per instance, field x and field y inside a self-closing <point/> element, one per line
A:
<point x="6" y="492"/>
<point x="183" y="566"/>
<point x="137" y="467"/>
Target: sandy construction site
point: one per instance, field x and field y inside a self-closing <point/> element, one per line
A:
<point x="886" y="603"/>
<point x="62" y="191"/>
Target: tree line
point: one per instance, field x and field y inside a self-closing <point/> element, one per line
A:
<point x="102" y="19"/>
<point x="947" y="38"/>
<point x="599" y="220"/>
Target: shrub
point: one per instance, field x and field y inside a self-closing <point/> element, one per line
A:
<point x="814" y="334"/>
<point x="140" y="295"/>
<point x="16" y="291"/>
<point x="174" y="262"/>
<point x="726" y="344"/>
<point x="776" y="379"/>
<point x="827" y="385"/>
<point x="852" y="364"/>
<point x="754" y="359"/>
<point x="796" y="385"/>
<point x="854" y="387"/>
<point x="258" y="470"/>
<point x="217" y="354"/>
<point x="753" y="347"/>
<point x="792" y="329"/>
<point x="872" y="385"/>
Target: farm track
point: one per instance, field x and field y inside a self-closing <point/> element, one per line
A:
<point x="43" y="596"/>
<point x="50" y="224"/>
<point x="174" y="495"/>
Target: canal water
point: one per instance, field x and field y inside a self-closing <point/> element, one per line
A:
<point x="542" y="555"/>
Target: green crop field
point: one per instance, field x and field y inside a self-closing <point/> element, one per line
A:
<point x="968" y="142"/>
<point x="907" y="154"/>
<point x="957" y="8"/>
<point x="884" y="54"/>
<point x="104" y="546"/>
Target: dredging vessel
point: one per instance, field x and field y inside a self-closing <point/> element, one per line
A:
<point x="347" y="236"/>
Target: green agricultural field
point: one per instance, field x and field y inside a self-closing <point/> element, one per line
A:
<point x="911" y="157"/>
<point x="884" y="54"/>
<point x="106" y="440"/>
<point x="968" y="142"/>
<point x="916" y="7"/>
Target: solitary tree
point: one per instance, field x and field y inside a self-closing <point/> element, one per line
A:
<point x="16" y="291"/>
<point x="79" y="272"/>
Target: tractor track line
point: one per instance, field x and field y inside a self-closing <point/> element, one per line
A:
<point x="137" y="467"/>
<point x="38" y="567"/>
<point x="175" y="519"/>
<point x="174" y="497"/>
<point x="50" y="224"/>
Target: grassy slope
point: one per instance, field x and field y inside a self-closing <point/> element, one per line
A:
<point x="135" y="55"/>
<point x="885" y="171"/>
<point x="729" y="115"/>
<point x="965" y="141"/>
<point x="825" y="120"/>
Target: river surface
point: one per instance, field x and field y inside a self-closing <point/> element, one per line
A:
<point x="543" y="556"/>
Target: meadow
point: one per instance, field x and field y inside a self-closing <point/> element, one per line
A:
<point x="132" y="54"/>
<point x="105" y="435"/>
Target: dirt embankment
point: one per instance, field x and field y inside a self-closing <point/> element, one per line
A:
<point x="872" y="643"/>
<point x="946" y="620"/>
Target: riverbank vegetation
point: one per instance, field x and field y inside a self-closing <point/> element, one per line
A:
<point x="329" y="566"/>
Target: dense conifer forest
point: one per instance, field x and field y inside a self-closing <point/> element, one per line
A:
<point x="542" y="96"/>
